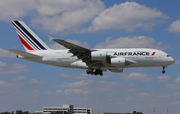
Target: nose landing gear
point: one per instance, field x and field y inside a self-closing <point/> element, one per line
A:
<point x="163" y="70"/>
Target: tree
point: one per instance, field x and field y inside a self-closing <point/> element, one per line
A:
<point x="134" y="112"/>
<point x="65" y="112"/>
<point x="19" y="112"/>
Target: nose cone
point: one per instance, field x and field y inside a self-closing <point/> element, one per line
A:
<point x="171" y="60"/>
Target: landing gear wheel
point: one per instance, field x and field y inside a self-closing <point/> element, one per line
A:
<point x="96" y="72"/>
<point x="163" y="70"/>
<point x="88" y="72"/>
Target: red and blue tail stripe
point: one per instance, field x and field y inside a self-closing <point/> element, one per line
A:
<point x="28" y="38"/>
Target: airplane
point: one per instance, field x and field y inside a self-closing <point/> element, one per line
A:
<point x="95" y="61"/>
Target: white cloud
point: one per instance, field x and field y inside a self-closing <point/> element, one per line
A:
<point x="81" y="83"/>
<point x="77" y="84"/>
<point x="61" y="15"/>
<point x="145" y="96"/>
<point x="19" y="78"/>
<point x="177" y="93"/>
<point x="131" y="42"/>
<point x="175" y="103"/>
<point x="177" y="62"/>
<point x="59" y="91"/>
<point x="54" y="16"/>
<point x="3" y="64"/>
<point x="128" y="16"/>
<point x="2" y="82"/>
<point x="6" y="54"/>
<point x="82" y="76"/>
<point x="175" y="27"/>
<point x="178" y="80"/>
<point x="35" y="91"/>
<point x="33" y="81"/>
<point x="15" y="9"/>
<point x="76" y="91"/>
<point x="12" y="85"/>
<point x="163" y="78"/>
<point x="11" y="69"/>
<point x="68" y="16"/>
<point x="76" y="76"/>
<point x="56" y="46"/>
<point x="137" y="76"/>
<point x="172" y="86"/>
<point x="93" y="85"/>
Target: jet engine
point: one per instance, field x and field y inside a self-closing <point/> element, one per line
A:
<point x="119" y="62"/>
<point x="99" y="55"/>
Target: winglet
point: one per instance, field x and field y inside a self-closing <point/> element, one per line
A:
<point x="50" y="38"/>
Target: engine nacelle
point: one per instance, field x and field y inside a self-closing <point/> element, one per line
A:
<point x="116" y="70"/>
<point x="99" y="55"/>
<point x="119" y="62"/>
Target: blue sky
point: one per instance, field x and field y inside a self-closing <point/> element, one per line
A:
<point x="31" y="86"/>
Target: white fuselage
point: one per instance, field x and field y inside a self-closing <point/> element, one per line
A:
<point x="141" y="57"/>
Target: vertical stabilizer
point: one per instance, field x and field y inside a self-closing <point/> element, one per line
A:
<point x="29" y="39"/>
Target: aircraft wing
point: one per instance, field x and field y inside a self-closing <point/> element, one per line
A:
<point x="82" y="53"/>
<point x="70" y="45"/>
<point x="24" y="54"/>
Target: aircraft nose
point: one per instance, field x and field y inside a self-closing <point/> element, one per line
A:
<point x="171" y="60"/>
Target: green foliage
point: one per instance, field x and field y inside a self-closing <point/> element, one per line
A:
<point x="65" y="112"/>
<point x="5" y="112"/>
<point x="17" y="112"/>
<point x="134" y="112"/>
<point x="60" y="112"/>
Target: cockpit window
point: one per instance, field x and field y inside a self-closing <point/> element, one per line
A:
<point x="168" y="55"/>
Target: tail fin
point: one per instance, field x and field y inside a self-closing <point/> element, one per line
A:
<point x="28" y="38"/>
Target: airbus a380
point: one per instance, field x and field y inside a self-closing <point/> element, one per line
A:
<point x="95" y="61"/>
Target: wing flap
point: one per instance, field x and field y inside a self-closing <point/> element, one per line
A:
<point x="24" y="54"/>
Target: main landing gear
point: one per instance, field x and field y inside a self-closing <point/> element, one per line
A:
<point x="96" y="72"/>
<point x="163" y="70"/>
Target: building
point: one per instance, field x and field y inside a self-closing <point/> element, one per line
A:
<point x="68" y="108"/>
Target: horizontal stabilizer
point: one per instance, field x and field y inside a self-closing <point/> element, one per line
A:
<point x="50" y="38"/>
<point x="24" y="54"/>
